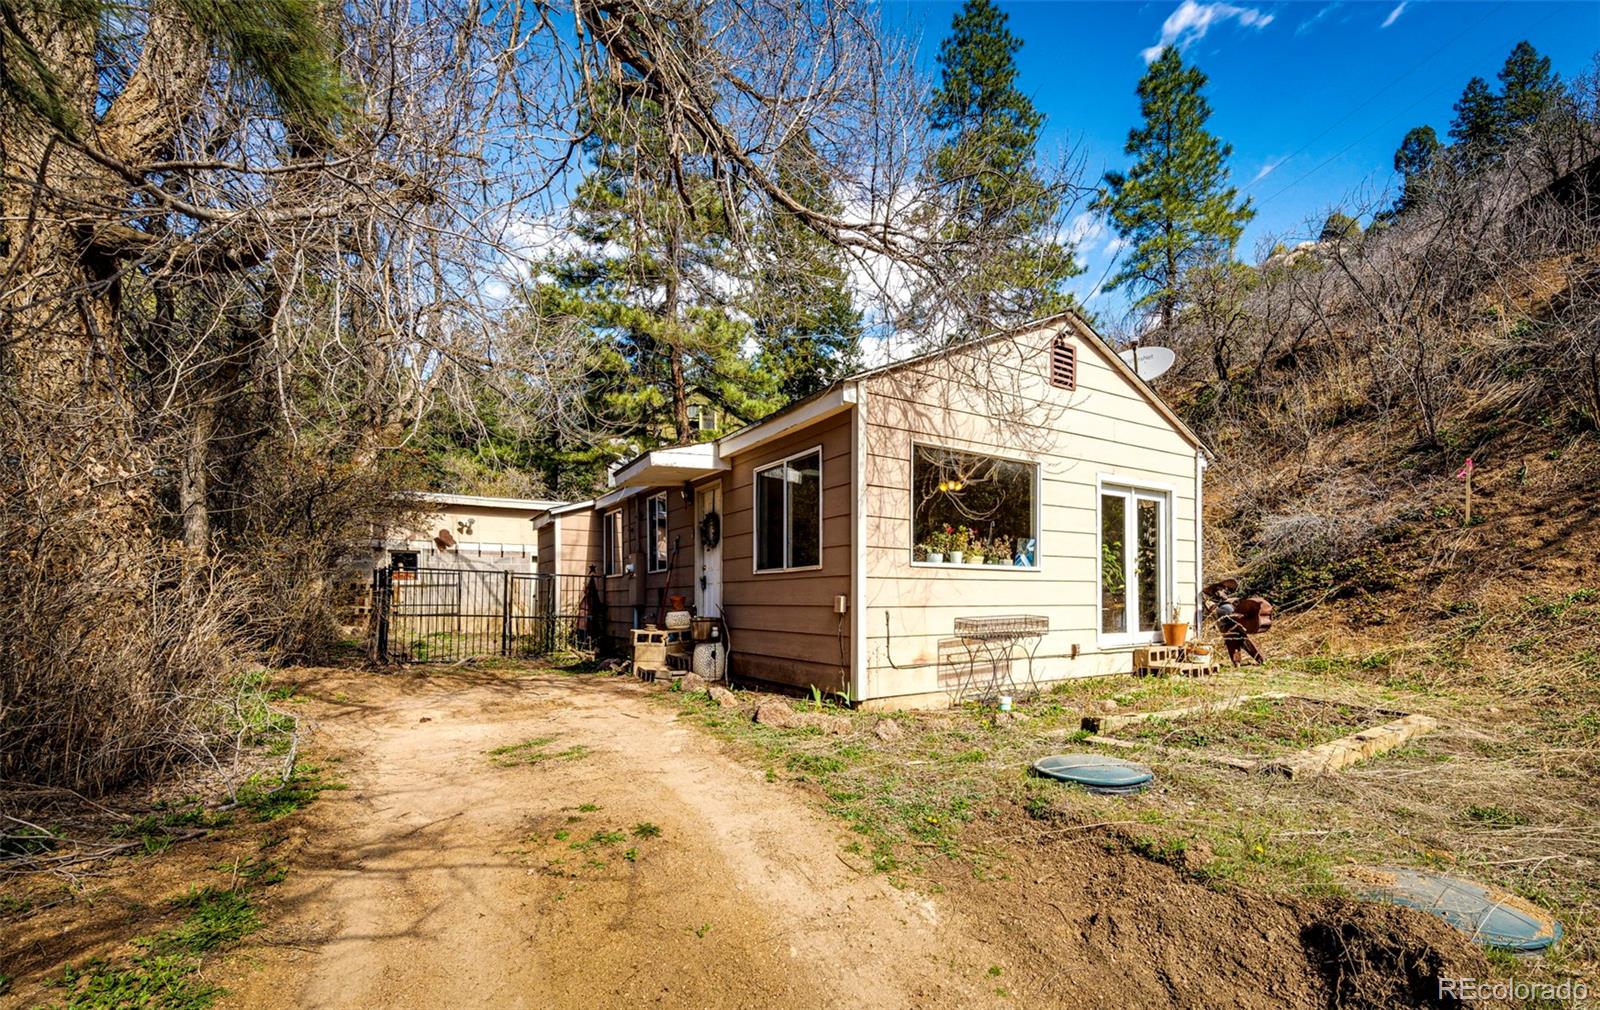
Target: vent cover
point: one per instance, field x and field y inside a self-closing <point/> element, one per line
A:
<point x="1063" y="363"/>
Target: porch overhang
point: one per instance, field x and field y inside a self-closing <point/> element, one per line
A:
<point x="664" y="467"/>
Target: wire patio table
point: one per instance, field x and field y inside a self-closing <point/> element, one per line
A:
<point x="996" y="640"/>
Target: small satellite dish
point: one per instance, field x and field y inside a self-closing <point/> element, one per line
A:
<point x="1148" y="362"/>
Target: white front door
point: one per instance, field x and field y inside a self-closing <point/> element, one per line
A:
<point x="708" y="559"/>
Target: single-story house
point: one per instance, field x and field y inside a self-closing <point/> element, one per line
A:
<point x="837" y="538"/>
<point x="467" y="531"/>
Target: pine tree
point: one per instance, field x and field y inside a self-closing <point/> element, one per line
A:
<point x="1528" y="89"/>
<point x="649" y="281"/>
<point x="807" y="327"/>
<point x="1174" y="206"/>
<point x="1004" y="211"/>
<point x="1478" y="131"/>
<point x="1416" y="160"/>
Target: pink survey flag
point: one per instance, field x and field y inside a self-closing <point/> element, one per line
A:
<point x="1466" y="469"/>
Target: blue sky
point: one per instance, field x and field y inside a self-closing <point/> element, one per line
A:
<point x="1313" y="96"/>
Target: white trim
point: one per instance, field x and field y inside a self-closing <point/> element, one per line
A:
<point x="1199" y="538"/>
<point x="1166" y="587"/>
<point x="858" y="560"/>
<point x="614" y="496"/>
<point x="605" y="549"/>
<point x="1038" y="509"/>
<point x="650" y="522"/>
<point x="555" y="553"/>
<point x="520" y="504"/>
<point x="755" y="514"/>
<point x="670" y="466"/>
<point x="828" y="403"/>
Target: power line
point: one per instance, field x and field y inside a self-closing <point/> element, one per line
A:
<point x="1382" y="91"/>
<point x="1385" y="123"/>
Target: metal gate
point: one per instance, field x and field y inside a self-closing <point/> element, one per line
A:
<point x="445" y="615"/>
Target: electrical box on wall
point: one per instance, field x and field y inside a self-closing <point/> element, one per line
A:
<point x="841" y="604"/>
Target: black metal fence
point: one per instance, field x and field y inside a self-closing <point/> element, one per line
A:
<point x="444" y="615"/>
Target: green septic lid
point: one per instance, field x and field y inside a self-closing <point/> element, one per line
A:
<point x="1488" y="915"/>
<point x="1095" y="772"/>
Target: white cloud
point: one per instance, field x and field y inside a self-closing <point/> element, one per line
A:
<point x="1114" y="245"/>
<point x="1267" y="169"/>
<point x="1394" y="15"/>
<point x="1085" y="229"/>
<point x="1311" y="22"/>
<point x="1190" y="22"/>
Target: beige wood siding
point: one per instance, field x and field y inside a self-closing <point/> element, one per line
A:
<point x="996" y="399"/>
<point x="781" y="625"/>
<point x="490" y="524"/>
<point x="545" y="560"/>
<point x="580" y="543"/>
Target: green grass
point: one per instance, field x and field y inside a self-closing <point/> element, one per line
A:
<point x="165" y="976"/>
<point x="1263" y="726"/>
<point x="644" y="829"/>
<point x="266" y="800"/>
<point x="532" y="752"/>
<point x="157" y="830"/>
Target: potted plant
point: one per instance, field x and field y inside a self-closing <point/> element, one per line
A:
<point x="1176" y="629"/>
<point x="960" y="538"/>
<point x="1000" y="551"/>
<point x="976" y="550"/>
<point x="936" y="545"/>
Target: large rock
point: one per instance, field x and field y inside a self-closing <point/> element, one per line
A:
<point x="776" y="714"/>
<point x="691" y="683"/>
<point x="722" y="696"/>
<point x="834" y="725"/>
<point x="888" y="729"/>
<point x="779" y="715"/>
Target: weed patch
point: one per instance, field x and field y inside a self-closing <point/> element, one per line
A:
<point x="165" y="976"/>
<point x="532" y="752"/>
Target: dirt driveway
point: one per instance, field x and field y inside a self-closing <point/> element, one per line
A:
<point x="605" y="857"/>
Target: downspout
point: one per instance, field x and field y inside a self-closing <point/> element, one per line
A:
<point x="1199" y="534"/>
<point x="858" y="552"/>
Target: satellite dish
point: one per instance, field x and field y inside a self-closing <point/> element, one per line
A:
<point x="1148" y="362"/>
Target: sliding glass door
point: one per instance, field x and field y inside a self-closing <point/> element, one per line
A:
<point x="1135" y="564"/>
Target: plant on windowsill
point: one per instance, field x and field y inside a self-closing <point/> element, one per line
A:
<point x="977" y="551"/>
<point x="1176" y="630"/>
<point x="960" y="540"/>
<point x="1000" y="551"/>
<point x="936" y="545"/>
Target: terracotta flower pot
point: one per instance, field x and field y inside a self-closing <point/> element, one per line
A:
<point x="1174" y="634"/>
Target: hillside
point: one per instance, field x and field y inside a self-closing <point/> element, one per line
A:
<point x="1343" y="385"/>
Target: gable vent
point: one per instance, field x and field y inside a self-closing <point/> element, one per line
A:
<point x="1063" y="363"/>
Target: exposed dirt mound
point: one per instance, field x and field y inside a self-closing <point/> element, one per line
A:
<point x="1090" y="924"/>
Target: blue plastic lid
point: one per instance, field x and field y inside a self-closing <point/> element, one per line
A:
<point x="1097" y="772"/>
<point x="1488" y="915"/>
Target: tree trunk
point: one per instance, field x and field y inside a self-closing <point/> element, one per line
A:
<point x="669" y="310"/>
<point x="193" y="483"/>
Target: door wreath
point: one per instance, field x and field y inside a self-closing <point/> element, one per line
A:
<point x="710" y="529"/>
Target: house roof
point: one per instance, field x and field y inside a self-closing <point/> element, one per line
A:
<point x="1084" y="330"/>
<point x="678" y="463"/>
<point x="669" y="465"/>
<point x="522" y="504"/>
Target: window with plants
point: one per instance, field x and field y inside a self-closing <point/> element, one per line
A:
<point x="971" y="509"/>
